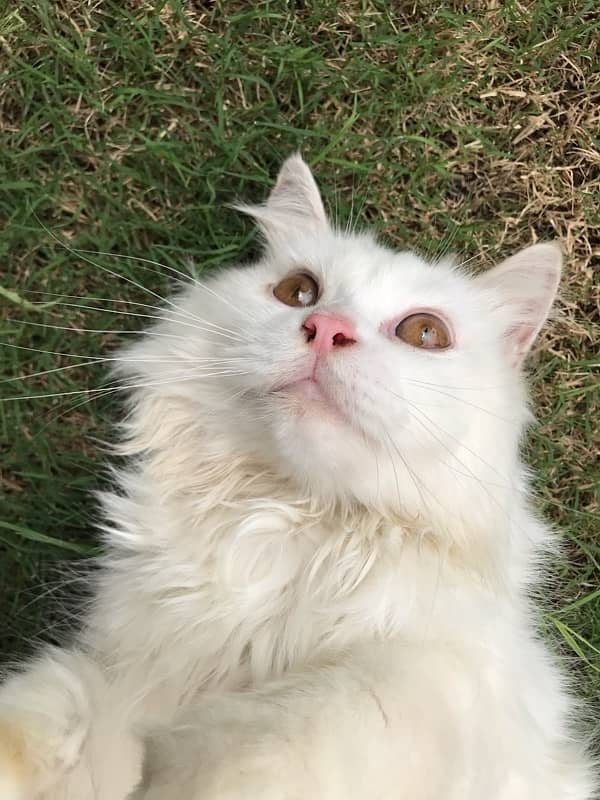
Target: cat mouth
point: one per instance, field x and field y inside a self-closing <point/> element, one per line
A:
<point x="308" y="392"/>
<point x="309" y="388"/>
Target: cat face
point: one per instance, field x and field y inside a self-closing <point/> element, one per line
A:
<point x="361" y="373"/>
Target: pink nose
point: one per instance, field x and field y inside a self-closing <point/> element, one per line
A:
<point x="324" y="332"/>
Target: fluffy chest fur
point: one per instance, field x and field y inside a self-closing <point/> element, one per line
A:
<point x="237" y="583"/>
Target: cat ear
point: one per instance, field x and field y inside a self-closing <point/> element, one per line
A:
<point x="523" y="289"/>
<point x="295" y="201"/>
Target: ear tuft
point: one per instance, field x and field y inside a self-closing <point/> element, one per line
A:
<point x="523" y="289"/>
<point x="295" y="201"/>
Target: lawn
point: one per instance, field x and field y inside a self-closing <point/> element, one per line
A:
<point x="126" y="128"/>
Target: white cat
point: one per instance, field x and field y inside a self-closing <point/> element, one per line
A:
<point x="320" y="561"/>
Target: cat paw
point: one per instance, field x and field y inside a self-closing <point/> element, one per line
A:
<point x="12" y="766"/>
<point x="36" y="750"/>
<point x="44" y="722"/>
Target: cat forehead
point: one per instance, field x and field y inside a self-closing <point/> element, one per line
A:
<point x="359" y="266"/>
<point x="333" y="253"/>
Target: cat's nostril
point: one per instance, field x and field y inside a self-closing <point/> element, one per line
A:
<point x="323" y="332"/>
<point x="340" y="340"/>
<point x="310" y="331"/>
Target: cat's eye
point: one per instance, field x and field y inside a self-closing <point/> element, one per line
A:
<point x="424" y="330"/>
<point x="299" y="289"/>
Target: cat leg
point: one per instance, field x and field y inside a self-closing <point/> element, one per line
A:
<point x="45" y="718"/>
<point x="418" y="722"/>
<point x="66" y="733"/>
<point x="365" y="728"/>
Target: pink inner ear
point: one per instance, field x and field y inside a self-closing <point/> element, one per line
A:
<point x="523" y="288"/>
<point x="520" y="337"/>
<point x="283" y="185"/>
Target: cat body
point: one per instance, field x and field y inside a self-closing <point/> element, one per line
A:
<point x="320" y="561"/>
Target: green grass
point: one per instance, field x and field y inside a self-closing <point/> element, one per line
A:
<point x="128" y="128"/>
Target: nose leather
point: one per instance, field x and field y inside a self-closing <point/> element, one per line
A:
<point x="324" y="332"/>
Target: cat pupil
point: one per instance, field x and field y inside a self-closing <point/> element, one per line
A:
<point x="429" y="336"/>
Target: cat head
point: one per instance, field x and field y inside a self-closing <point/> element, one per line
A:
<point x="360" y="374"/>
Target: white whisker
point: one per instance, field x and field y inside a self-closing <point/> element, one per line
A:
<point x="418" y="484"/>
<point x="433" y="388"/>
<point x="99" y="360"/>
<point x="48" y="352"/>
<point x="186" y="277"/>
<point x="76" y="329"/>
<point x="416" y="408"/>
<point x="224" y="300"/>
<point x="81" y="254"/>
<point x="213" y="328"/>
<point x="126" y="387"/>
<point x="130" y="359"/>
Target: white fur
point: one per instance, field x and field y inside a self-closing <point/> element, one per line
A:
<point x="302" y="600"/>
<point x="65" y="733"/>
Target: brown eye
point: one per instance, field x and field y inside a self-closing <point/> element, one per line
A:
<point x="424" y="330"/>
<point x="299" y="289"/>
